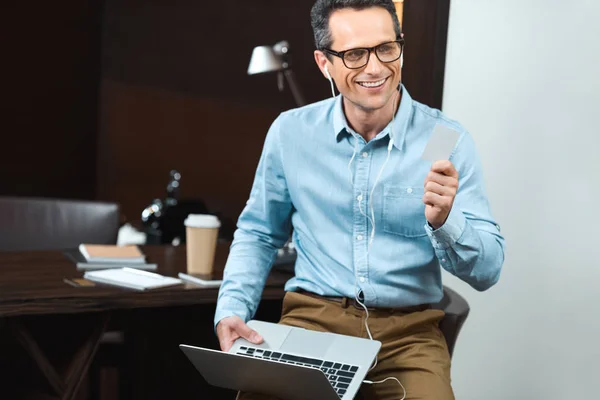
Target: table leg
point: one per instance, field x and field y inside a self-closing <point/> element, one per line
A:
<point x="83" y="358"/>
<point x="78" y="366"/>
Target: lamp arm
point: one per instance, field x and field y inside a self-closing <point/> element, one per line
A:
<point x="296" y="92"/>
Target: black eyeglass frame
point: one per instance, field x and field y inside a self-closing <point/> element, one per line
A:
<point x="370" y="50"/>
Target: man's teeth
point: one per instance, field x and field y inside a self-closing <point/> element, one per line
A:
<point x="372" y="84"/>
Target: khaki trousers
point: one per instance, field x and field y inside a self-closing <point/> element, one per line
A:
<point x="413" y="348"/>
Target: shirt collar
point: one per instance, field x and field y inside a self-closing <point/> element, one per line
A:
<point x="403" y="115"/>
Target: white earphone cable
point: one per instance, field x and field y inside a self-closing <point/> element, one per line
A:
<point x="332" y="88"/>
<point x="372" y="236"/>
<point x="387" y="379"/>
<point x="371" y="219"/>
<point x="389" y="150"/>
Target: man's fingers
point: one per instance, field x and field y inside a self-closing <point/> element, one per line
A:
<point x="226" y="340"/>
<point x="227" y="332"/>
<point x="445" y="167"/>
<point x="232" y="328"/>
<point x="436" y="188"/>
<point x="431" y="199"/>
<point x="441" y="179"/>
<point x="225" y="345"/>
<point x="244" y="331"/>
<point x="435" y="200"/>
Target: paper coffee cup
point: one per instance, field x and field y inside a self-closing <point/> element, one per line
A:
<point x="202" y="232"/>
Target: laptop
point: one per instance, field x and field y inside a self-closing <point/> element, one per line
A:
<point x="291" y="364"/>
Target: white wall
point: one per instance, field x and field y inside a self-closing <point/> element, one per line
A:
<point x="524" y="77"/>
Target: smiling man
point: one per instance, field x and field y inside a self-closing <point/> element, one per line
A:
<point x="373" y="223"/>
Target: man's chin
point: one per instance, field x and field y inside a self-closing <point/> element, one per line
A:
<point x="372" y="104"/>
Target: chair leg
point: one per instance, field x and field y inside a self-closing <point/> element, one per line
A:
<point x="95" y="381"/>
<point x="125" y="373"/>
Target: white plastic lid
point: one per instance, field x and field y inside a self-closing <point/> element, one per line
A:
<point x="202" y="221"/>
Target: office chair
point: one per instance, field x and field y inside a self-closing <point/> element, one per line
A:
<point x="457" y="310"/>
<point x="32" y="224"/>
<point x="50" y="224"/>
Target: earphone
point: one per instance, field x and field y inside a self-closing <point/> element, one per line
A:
<point x="389" y="150"/>
<point x="372" y="220"/>
<point x="330" y="81"/>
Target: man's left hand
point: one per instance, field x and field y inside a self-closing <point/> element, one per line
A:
<point x="441" y="186"/>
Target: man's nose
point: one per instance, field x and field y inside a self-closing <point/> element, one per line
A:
<point x="374" y="66"/>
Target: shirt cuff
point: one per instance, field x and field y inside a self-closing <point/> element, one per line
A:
<point x="449" y="233"/>
<point x="230" y="306"/>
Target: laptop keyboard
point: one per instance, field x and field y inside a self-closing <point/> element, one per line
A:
<point x="339" y="375"/>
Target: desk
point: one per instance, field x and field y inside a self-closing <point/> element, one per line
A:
<point x="31" y="286"/>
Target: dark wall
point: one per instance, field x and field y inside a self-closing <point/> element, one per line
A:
<point x="107" y="96"/>
<point x="426" y="31"/>
<point x="50" y="75"/>
<point x="202" y="48"/>
<point x="176" y="95"/>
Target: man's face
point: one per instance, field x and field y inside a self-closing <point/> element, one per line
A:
<point x="354" y="29"/>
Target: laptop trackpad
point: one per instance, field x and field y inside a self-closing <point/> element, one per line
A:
<point x="307" y="343"/>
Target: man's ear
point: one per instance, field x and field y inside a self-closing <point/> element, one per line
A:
<point x="321" y="61"/>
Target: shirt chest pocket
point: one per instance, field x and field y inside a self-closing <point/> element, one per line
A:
<point x="404" y="210"/>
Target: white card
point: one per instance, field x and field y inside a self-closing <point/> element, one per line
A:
<point x="441" y="143"/>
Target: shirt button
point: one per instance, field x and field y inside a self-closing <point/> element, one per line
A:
<point x="359" y="237"/>
<point x="443" y="260"/>
<point x="362" y="279"/>
<point x="359" y="198"/>
<point x="365" y="154"/>
<point x="409" y="190"/>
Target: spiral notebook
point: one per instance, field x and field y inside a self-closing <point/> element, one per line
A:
<point x="131" y="278"/>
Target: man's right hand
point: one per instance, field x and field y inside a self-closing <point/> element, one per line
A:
<point x="230" y="329"/>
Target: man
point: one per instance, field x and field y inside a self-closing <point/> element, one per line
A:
<point x="336" y="169"/>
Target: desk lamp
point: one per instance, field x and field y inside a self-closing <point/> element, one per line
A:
<point x="276" y="59"/>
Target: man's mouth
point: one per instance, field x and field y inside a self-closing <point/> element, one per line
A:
<point x="372" y="84"/>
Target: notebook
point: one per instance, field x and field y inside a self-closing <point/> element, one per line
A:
<point x="86" y="266"/>
<point x="131" y="278"/>
<point x="75" y="256"/>
<point x="101" y="254"/>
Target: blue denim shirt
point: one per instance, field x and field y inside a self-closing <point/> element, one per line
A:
<point x="305" y="180"/>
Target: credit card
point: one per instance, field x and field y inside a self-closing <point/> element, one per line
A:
<point x="441" y="143"/>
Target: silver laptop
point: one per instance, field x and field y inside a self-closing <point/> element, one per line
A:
<point x="291" y="364"/>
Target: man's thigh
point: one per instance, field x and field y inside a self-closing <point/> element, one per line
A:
<point x="413" y="349"/>
<point x="415" y="352"/>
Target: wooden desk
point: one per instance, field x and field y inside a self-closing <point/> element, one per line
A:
<point x="31" y="286"/>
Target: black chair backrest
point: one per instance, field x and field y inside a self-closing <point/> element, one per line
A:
<point x="457" y="310"/>
<point x="51" y="224"/>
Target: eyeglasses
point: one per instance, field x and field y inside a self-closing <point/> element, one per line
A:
<point x="359" y="57"/>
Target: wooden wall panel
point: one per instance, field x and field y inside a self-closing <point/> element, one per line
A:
<point x="176" y="95"/>
<point x="147" y="131"/>
<point x="50" y="74"/>
<point x="425" y="32"/>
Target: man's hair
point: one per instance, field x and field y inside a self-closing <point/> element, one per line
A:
<point x="322" y="10"/>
